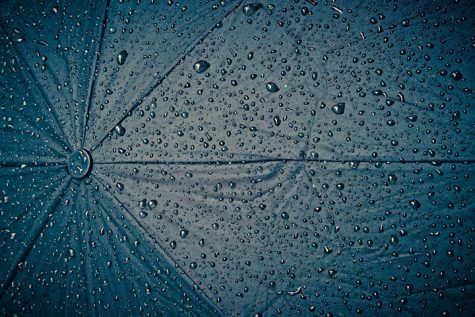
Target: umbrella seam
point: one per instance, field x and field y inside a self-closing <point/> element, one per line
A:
<point x="92" y="80"/>
<point x="48" y="138"/>
<point x="89" y="291"/>
<point x="224" y="162"/>
<point x="168" y="72"/>
<point x="36" y="164"/>
<point x="43" y="94"/>
<point x="12" y="274"/>
<point x="163" y="251"/>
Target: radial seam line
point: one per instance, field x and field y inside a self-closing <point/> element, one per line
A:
<point x="87" y="263"/>
<point x="43" y="94"/>
<point x="168" y="72"/>
<point x="237" y="162"/>
<point x="92" y="80"/>
<point x="160" y="248"/>
<point x="12" y="274"/>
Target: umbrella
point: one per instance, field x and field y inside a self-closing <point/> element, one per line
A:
<point x="237" y="158"/>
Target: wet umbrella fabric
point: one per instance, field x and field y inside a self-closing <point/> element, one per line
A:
<point x="234" y="159"/>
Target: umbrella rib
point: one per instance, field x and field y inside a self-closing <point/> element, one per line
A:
<point x="85" y="204"/>
<point x="161" y="249"/>
<point x="36" y="164"/>
<point x="168" y="72"/>
<point x="237" y="162"/>
<point x="52" y="141"/>
<point x="12" y="273"/>
<point x="38" y="197"/>
<point x="43" y="94"/>
<point x="92" y="80"/>
<point x="110" y="216"/>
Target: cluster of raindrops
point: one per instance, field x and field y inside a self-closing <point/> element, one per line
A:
<point x="295" y="158"/>
<point x="383" y="122"/>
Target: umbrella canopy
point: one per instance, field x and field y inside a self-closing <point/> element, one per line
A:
<point x="237" y="158"/>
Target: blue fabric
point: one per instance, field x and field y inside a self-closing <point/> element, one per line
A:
<point x="285" y="158"/>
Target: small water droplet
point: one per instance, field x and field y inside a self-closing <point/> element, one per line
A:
<point x="456" y="75"/>
<point x="394" y="240"/>
<point x="392" y="178"/>
<point x="415" y="204"/>
<point x="183" y="233"/>
<point x="152" y="203"/>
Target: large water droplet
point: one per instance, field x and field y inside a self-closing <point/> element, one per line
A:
<point x="250" y="8"/>
<point x="120" y="130"/>
<point x="122" y="57"/>
<point x="201" y="66"/>
<point x="272" y="87"/>
<point x="339" y="108"/>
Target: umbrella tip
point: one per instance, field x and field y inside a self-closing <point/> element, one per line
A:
<point x="79" y="164"/>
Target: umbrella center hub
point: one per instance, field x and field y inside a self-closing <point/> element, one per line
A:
<point x="79" y="163"/>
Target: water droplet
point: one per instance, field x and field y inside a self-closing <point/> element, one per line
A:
<point x="201" y="66"/>
<point x="143" y="203"/>
<point x="183" y="233"/>
<point x="148" y="288"/>
<point x="119" y="129"/>
<point x="297" y="291"/>
<point x="456" y="75"/>
<point x="339" y="108"/>
<point x="152" y="203"/>
<point x="392" y="178"/>
<point x="122" y="57"/>
<point x="415" y="204"/>
<point x="250" y="8"/>
<point x="272" y="87"/>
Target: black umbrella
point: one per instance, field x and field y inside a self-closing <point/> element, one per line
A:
<point x="237" y="158"/>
